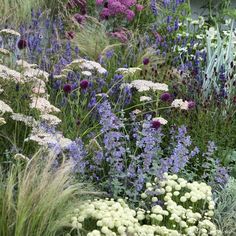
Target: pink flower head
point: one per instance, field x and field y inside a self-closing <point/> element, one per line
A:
<point x="128" y="3"/>
<point x="139" y="7"/>
<point x="116" y="7"/>
<point x="130" y="15"/>
<point x="191" y="104"/>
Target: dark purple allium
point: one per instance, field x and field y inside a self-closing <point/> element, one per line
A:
<point x="84" y="84"/>
<point x="146" y="61"/>
<point x="165" y="97"/>
<point x="156" y="124"/>
<point x="67" y="88"/>
<point x="22" y="43"/>
<point x="191" y="104"/>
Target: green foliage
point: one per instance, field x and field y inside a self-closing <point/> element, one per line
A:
<point x="225" y="213"/>
<point x="92" y="38"/>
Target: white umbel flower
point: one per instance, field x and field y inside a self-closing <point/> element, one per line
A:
<point x="145" y="99"/>
<point x="9" y="32"/>
<point x="5" y="108"/>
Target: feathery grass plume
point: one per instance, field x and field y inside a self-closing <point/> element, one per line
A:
<point x="16" y="12"/>
<point x="225" y="212"/>
<point x="35" y="197"/>
<point x="92" y="38"/>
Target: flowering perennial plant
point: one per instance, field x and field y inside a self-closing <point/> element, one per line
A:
<point x="173" y="207"/>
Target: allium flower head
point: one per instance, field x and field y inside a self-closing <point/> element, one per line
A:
<point x="84" y="84"/>
<point x="22" y="43"/>
<point x="67" y="88"/>
<point x="146" y="61"/>
<point x="130" y="15"/>
<point x="165" y="97"/>
<point x="156" y="124"/>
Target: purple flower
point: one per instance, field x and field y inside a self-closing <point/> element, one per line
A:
<point x="67" y="88"/>
<point x="139" y="7"/>
<point x="165" y="97"/>
<point x="191" y="104"/>
<point x="22" y="43"/>
<point x="146" y="61"/>
<point x="130" y="15"/>
<point x="84" y="84"/>
<point x="156" y="124"/>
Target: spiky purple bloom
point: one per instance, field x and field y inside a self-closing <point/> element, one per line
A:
<point x="77" y="154"/>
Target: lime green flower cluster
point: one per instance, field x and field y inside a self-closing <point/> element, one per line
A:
<point x="186" y="209"/>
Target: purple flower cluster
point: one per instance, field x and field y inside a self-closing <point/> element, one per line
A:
<point x="118" y="7"/>
<point x="77" y="154"/>
<point x="181" y="154"/>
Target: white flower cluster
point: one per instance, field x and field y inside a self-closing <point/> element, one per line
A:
<point x="145" y="99"/>
<point x="4" y="107"/>
<point x="128" y="71"/>
<point x="43" y="138"/>
<point x="25" y="65"/>
<point x="187" y="207"/>
<point x="9" y="74"/>
<point x="114" y="218"/>
<point x="2" y="121"/>
<point x="27" y="120"/>
<point x="86" y="66"/>
<point x="9" y="32"/>
<point x="187" y="210"/>
<point x="43" y="105"/>
<point x="161" y="120"/>
<point x="146" y="85"/>
<point x="179" y="103"/>
<point x="36" y="79"/>
<point x="4" y="52"/>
